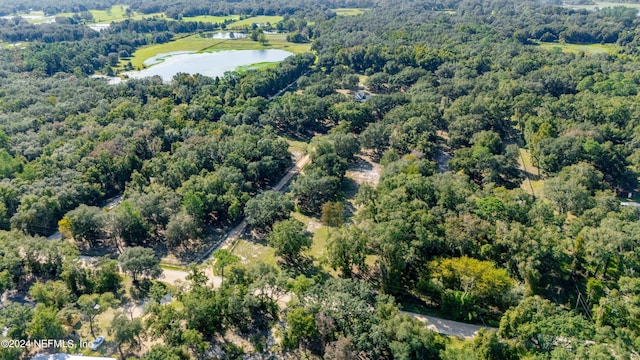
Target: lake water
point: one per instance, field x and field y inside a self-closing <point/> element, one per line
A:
<point x="210" y="64"/>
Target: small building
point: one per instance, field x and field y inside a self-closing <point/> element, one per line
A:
<point x="361" y="96"/>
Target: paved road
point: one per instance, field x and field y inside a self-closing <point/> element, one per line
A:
<point x="449" y="327"/>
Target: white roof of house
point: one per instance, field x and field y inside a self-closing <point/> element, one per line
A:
<point x="62" y="356"/>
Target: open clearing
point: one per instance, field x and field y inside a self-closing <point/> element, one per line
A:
<point x="211" y="19"/>
<point x="589" y="49"/>
<point x="251" y="250"/>
<point x="114" y="14"/>
<point x="348" y="11"/>
<point x="246" y="23"/>
<point x="603" y="4"/>
<point x="201" y="44"/>
<point x="532" y="182"/>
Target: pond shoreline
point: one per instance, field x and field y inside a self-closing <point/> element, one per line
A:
<point x="210" y="63"/>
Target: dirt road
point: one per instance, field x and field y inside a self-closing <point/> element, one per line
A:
<point x="234" y="233"/>
<point x="449" y="327"/>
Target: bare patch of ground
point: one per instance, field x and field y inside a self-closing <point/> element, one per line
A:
<point x="313" y="225"/>
<point x="365" y="171"/>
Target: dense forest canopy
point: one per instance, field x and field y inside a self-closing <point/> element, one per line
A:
<point x="499" y="142"/>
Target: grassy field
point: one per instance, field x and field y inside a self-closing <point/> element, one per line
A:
<point x="116" y="13"/>
<point x="297" y="146"/>
<point x="603" y="4"/>
<point x="348" y="11"/>
<point x="250" y="251"/>
<point x="241" y="24"/>
<point x="211" y="19"/>
<point x="577" y="49"/>
<point x="257" y="66"/>
<point x="201" y="44"/>
<point x="531" y="183"/>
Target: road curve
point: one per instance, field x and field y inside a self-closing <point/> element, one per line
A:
<point x="449" y="327"/>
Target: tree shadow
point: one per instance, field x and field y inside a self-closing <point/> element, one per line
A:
<point x="360" y="164"/>
<point x="140" y="289"/>
<point x="530" y="175"/>
<point x="97" y="250"/>
<point x="303" y="265"/>
<point x="349" y="188"/>
<point x="191" y="251"/>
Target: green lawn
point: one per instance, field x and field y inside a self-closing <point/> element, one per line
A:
<point x="578" y="48"/>
<point x="297" y="146"/>
<point x="241" y="24"/>
<point x="320" y="240"/>
<point x="348" y="11"/>
<point x="116" y="13"/>
<point x="250" y="252"/>
<point x="201" y="44"/>
<point x="257" y="66"/>
<point x="211" y="19"/>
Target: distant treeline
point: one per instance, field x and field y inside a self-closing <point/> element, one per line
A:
<point x="181" y="7"/>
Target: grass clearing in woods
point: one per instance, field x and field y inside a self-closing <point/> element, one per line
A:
<point x="246" y="23"/>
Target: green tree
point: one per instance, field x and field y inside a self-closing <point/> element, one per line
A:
<point x="93" y="305"/>
<point x="127" y="224"/>
<point x="541" y="326"/>
<point x="301" y="329"/>
<point x="139" y="261"/>
<point x="289" y="238"/>
<point x="223" y="258"/>
<point x="51" y="293"/>
<point x="333" y="213"/>
<point x="181" y="228"/>
<point x="125" y="332"/>
<point x="313" y="189"/>
<point x="347" y="249"/>
<point x="163" y="352"/>
<point x="45" y="324"/>
<point x="409" y="339"/>
<point x="376" y="137"/>
<point x="16" y="317"/>
<point x="204" y="310"/>
<point x="107" y="277"/>
<point x="195" y="343"/>
<point x="6" y="282"/>
<point x="266" y="209"/>
<point x="568" y="195"/>
<point x="86" y="223"/>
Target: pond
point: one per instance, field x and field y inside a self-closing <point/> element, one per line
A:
<point x="210" y="64"/>
<point x="225" y="35"/>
